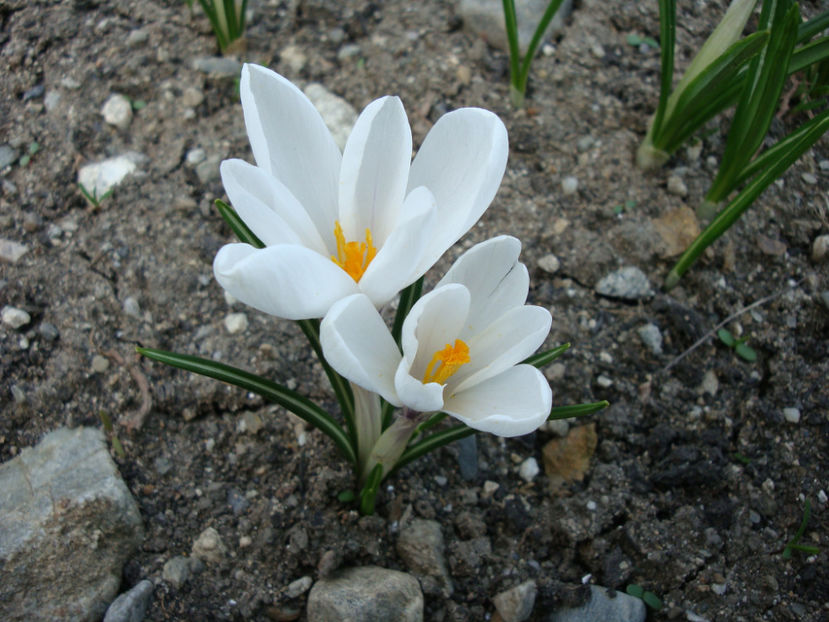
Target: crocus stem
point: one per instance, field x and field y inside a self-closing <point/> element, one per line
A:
<point x="367" y="420"/>
<point x="391" y="444"/>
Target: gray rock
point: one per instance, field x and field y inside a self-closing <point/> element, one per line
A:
<point x="131" y="307"/>
<point x="468" y="457"/>
<point x="8" y="156"/>
<point x="209" y="546"/>
<point x="132" y="605"/>
<point x="676" y="186"/>
<point x="651" y="336"/>
<point x="100" y="177"/>
<point x="12" y="251"/>
<point x="67" y="526"/>
<point x="337" y="113"/>
<point x="137" y="37"/>
<point x="299" y="587"/>
<point x="791" y="414"/>
<point x="820" y="248"/>
<point x="192" y="97"/>
<point x="51" y="100"/>
<point x="486" y="18"/>
<point x="628" y="283"/>
<point x="516" y="604"/>
<point x="218" y="66"/>
<point x="236" y="323"/>
<point x="14" y="317"/>
<point x="549" y="263"/>
<point x="48" y="331"/>
<point x="529" y="469"/>
<point x="177" y="571"/>
<point x="569" y="185"/>
<point x="420" y="546"/>
<point x="208" y="170"/>
<point x="604" y="605"/>
<point x="368" y="594"/>
<point x="195" y="156"/>
<point x="117" y="111"/>
<point x="293" y="57"/>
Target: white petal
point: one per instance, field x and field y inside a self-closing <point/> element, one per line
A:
<point x="508" y="340"/>
<point x="287" y="281"/>
<point x="374" y="170"/>
<point x="289" y="139"/>
<point x="513" y="403"/>
<point x="393" y="267"/>
<point x="495" y="279"/>
<point x="416" y="395"/>
<point x="462" y="161"/>
<point x="434" y="321"/>
<point x="267" y="207"/>
<point x="356" y="343"/>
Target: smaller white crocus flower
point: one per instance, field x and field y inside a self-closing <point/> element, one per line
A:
<point x="368" y="220"/>
<point x="462" y="346"/>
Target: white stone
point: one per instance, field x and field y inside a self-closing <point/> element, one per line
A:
<point x="11" y="251"/>
<point x="651" y="336"/>
<point x="710" y="383"/>
<point x="100" y="364"/>
<point x="117" y="111"/>
<point x="569" y="185"/>
<point x="490" y="487"/>
<point x="529" y="469"/>
<point x="338" y="114"/>
<point x="820" y="248"/>
<point x="294" y="57"/>
<point x="808" y="178"/>
<point x="791" y="414"/>
<point x="299" y="587"/>
<point x="604" y="382"/>
<point x="236" y="323"/>
<point x="14" y="317"/>
<point x="209" y="546"/>
<point x="549" y="263"/>
<point x="100" y="177"/>
<point x="195" y="156"/>
<point x="676" y="186"/>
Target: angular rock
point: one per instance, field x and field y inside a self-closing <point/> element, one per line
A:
<point x="14" y="317"/>
<point x="486" y="18"/>
<point x="117" y="111"/>
<point x="368" y="594"/>
<point x="605" y="605"/>
<point x="820" y="248"/>
<point x="628" y="283"/>
<point x="8" y="156"/>
<point x="100" y="177"/>
<point x="338" y="114"/>
<point x="11" y="251"/>
<point x="132" y="605"/>
<point x="676" y="228"/>
<point x="516" y="604"/>
<point x="651" y="336"/>
<point x="209" y="546"/>
<point x="421" y="547"/>
<point x="67" y="526"/>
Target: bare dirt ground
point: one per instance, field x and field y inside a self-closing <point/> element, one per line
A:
<point x="698" y="480"/>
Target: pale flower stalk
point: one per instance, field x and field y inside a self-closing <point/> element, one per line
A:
<point x="369" y="220"/>
<point x="462" y="345"/>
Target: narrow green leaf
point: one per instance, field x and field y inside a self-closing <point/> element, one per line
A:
<point x="511" y="26"/>
<point x="545" y="358"/>
<point x="810" y="28"/>
<point x="635" y="590"/>
<point x="652" y="600"/>
<point x="726" y="337"/>
<point x="549" y="13"/>
<point x="432" y="442"/>
<point x="276" y="393"/>
<point x="809" y="54"/>
<point x="576" y="410"/>
<point x="745" y="352"/>
<point x="667" y="41"/>
<point x="408" y="297"/>
<point x="368" y="495"/>
<point x="240" y="229"/>
<point x="346" y="496"/>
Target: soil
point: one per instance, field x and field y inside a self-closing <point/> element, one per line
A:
<point x="698" y="480"/>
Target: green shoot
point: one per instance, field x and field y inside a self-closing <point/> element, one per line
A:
<point x="92" y="197"/>
<point x="34" y="147"/>
<point x="227" y="17"/>
<point x="520" y="68"/>
<point x="649" y="598"/>
<point x="794" y="543"/>
<point x="116" y="443"/>
<point x="739" y="346"/>
<point x="635" y="40"/>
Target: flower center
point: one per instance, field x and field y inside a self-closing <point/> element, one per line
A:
<point x="446" y="362"/>
<point x="353" y="257"/>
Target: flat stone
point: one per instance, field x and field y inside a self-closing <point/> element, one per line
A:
<point x="809" y="178"/>
<point x="628" y="283"/>
<point x="209" y="546"/>
<point x="299" y="587"/>
<point x="67" y="526"/>
<point x="137" y="37"/>
<point x="14" y="317"/>
<point x="177" y="571"/>
<point x="368" y="594"/>
<point x="218" y="66"/>
<point x="117" y="111"/>
<point x="516" y="604"/>
<point x="420" y="545"/>
<point x="100" y="177"/>
<point x="8" y="156"/>
<point x="605" y="605"/>
<point x="338" y="114"/>
<point x="11" y="251"/>
<point x="486" y="18"/>
<point x="132" y="605"/>
<point x="651" y="336"/>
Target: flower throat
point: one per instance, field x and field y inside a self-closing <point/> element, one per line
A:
<point x="446" y="362"/>
<point x="353" y="257"/>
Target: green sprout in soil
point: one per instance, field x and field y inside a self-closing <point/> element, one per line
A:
<point x="519" y="69"/>
<point x="649" y="598"/>
<point x="635" y="40"/>
<point x="227" y="17"/>
<point x="794" y="543"/>
<point x="624" y="207"/>
<point x="34" y="147"/>
<point x="116" y="443"/>
<point x="739" y="346"/>
<point x="92" y="197"/>
<point x="741" y="458"/>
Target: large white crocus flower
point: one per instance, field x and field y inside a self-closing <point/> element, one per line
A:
<point x="368" y="220"/>
<point x="462" y="345"/>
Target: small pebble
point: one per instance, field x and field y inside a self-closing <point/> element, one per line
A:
<point x="14" y="317"/>
<point x="131" y="307"/>
<point x="298" y="587"/>
<point x="821" y="496"/>
<point x="236" y="323"/>
<point x="569" y="185"/>
<point x="591" y="505"/>
<point x="117" y="111"/>
<point x="137" y="37"/>
<point x="549" y="263"/>
<point x="209" y="546"/>
<point x="529" y="469"/>
<point x="195" y="156"/>
<point x="11" y="251"/>
<point x="676" y="186"/>
<point x="48" y="331"/>
<point x="192" y="97"/>
<point x="440" y="480"/>
<point x="490" y="487"/>
<point x="651" y="336"/>
<point x="710" y="383"/>
<point x="100" y="364"/>
<point x="820" y="248"/>
<point x="808" y="178"/>
<point x="131" y="605"/>
<point x="604" y="382"/>
<point x="823" y="165"/>
<point x="791" y="414"/>
<point x="558" y="427"/>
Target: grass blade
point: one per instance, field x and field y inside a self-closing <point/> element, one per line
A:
<point x="667" y="42"/>
<point x="576" y="410"/>
<point x="545" y="358"/>
<point x="271" y="391"/>
<point x="237" y="225"/>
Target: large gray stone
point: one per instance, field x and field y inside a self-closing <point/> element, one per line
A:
<point x="132" y="605"/>
<point x="67" y="526"/>
<point x="486" y="18"/>
<point x="366" y="594"/>
<point x="605" y="605"/>
<point x="420" y="545"/>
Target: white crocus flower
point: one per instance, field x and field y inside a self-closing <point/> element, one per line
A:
<point x="462" y="345"/>
<point x="368" y="220"/>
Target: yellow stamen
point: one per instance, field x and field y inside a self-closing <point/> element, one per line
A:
<point x="450" y="358"/>
<point x="353" y="257"/>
